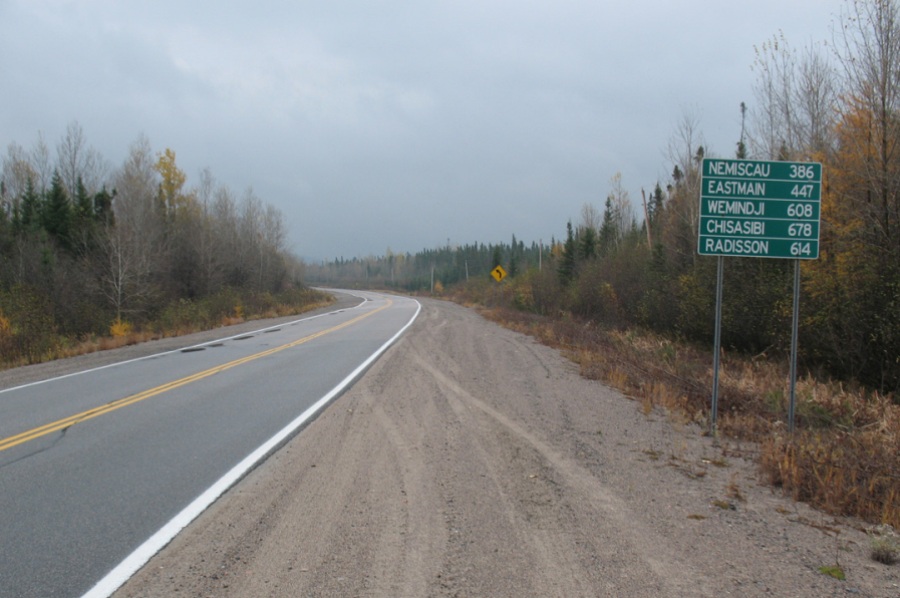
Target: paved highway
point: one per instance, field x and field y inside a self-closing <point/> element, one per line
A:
<point x="99" y="469"/>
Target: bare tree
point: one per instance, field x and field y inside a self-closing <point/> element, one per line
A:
<point x="40" y="162"/>
<point x="685" y="150"/>
<point x="815" y="98"/>
<point x="772" y="135"/>
<point x="795" y="106"/>
<point x="591" y="217"/>
<point x="15" y="172"/>
<point x="134" y="249"/>
<point x="272" y="235"/>
<point x="623" y="210"/>
<point x="76" y="160"/>
<point x="208" y="244"/>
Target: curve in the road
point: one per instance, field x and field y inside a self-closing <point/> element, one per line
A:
<point x="67" y="422"/>
<point x="137" y="559"/>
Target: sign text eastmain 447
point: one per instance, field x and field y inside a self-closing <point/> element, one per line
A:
<point x="751" y="208"/>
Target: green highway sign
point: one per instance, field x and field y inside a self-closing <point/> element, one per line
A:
<point x="753" y="208"/>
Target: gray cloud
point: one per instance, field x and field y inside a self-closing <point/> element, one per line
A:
<point x="397" y="123"/>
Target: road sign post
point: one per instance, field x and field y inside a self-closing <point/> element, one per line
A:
<point x="751" y="208"/>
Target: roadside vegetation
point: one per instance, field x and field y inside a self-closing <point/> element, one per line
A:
<point x="632" y="303"/>
<point x="844" y="456"/>
<point x="93" y="257"/>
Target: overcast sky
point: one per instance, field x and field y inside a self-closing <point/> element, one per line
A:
<point x="376" y="124"/>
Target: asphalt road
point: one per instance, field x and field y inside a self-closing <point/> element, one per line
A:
<point x="93" y="464"/>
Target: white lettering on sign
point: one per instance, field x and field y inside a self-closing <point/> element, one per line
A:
<point x="735" y="188"/>
<point x="736" y="227"/>
<point x="743" y="169"/>
<point x="736" y="208"/>
<point x="737" y="246"/>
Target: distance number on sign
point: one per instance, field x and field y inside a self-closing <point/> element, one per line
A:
<point x="800" y="210"/>
<point x="803" y="171"/>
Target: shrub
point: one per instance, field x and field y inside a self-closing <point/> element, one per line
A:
<point x="885" y="545"/>
<point x="120" y="328"/>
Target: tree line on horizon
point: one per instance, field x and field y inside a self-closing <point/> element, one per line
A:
<point x="86" y="248"/>
<point x="838" y="104"/>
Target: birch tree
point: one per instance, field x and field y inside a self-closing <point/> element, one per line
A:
<point x="134" y="249"/>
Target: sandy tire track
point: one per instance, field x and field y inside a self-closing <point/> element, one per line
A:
<point x="470" y="461"/>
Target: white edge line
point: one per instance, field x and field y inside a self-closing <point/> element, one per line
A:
<point x="180" y="349"/>
<point x="137" y="559"/>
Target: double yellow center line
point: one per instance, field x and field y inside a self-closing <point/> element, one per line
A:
<point x="11" y="441"/>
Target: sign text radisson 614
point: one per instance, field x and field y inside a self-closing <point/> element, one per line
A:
<point x="760" y="209"/>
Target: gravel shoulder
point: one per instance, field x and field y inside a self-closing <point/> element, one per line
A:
<point x="472" y="461"/>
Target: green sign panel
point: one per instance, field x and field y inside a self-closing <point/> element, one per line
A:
<point x="751" y="208"/>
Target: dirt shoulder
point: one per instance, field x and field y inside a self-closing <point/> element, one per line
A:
<point x="471" y="461"/>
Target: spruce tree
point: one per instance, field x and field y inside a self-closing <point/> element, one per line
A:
<point x="497" y="258"/>
<point x="84" y="205"/>
<point x="30" y="212"/>
<point x="608" y="230"/>
<point x="103" y="206"/>
<point x="567" y="264"/>
<point x="56" y="217"/>
<point x="587" y="243"/>
<point x="514" y="258"/>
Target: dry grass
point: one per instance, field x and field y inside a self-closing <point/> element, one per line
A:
<point x="733" y="490"/>
<point x="122" y="333"/>
<point x="885" y="545"/>
<point x="843" y="458"/>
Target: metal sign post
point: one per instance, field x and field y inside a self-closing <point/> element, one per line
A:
<point x="717" y="344"/>
<point x="794" y="341"/>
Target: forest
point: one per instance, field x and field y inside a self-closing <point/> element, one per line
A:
<point x="90" y="251"/>
<point x="633" y="261"/>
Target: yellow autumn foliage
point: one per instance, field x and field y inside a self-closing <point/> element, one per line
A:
<point x="120" y="328"/>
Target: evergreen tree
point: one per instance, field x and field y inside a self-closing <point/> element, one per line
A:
<point x="56" y="217"/>
<point x="514" y="253"/>
<point x="608" y="230"/>
<point x="84" y="206"/>
<point x="497" y="258"/>
<point x="567" y="264"/>
<point x="30" y="213"/>
<point x="655" y="208"/>
<point x="587" y="243"/>
<point x="103" y="206"/>
<point x="513" y="264"/>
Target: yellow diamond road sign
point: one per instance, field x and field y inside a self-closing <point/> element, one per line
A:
<point x="498" y="273"/>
